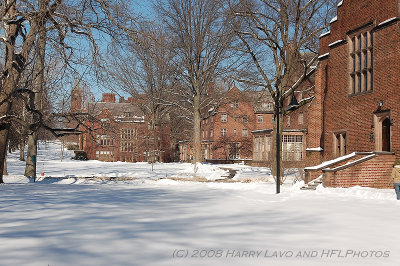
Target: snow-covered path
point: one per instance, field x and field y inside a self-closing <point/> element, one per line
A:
<point x="147" y="222"/>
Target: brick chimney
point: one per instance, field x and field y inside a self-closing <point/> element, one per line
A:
<point x="76" y="98"/>
<point x="108" y="98"/>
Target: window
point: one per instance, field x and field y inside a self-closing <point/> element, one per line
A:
<point x="223" y="132"/>
<point x="205" y="151"/>
<point x="127" y="146"/>
<point x="105" y="140"/>
<point x="224" y="118"/>
<point x="339" y="144"/>
<point x="301" y="118"/>
<point x="235" y="104"/>
<point x="245" y="119"/>
<point x="128" y="133"/>
<point x="211" y="133"/>
<point x="292" y="148"/>
<point x="361" y="62"/>
<point x="259" y="119"/>
<point x="288" y="120"/>
<point x="104" y="155"/>
<point x="245" y="132"/>
<point x="262" y="148"/>
<point x="234" y="131"/>
<point x="234" y="151"/>
<point x="267" y="106"/>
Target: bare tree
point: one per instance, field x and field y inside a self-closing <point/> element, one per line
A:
<point x="74" y="25"/>
<point x="276" y="34"/>
<point x="202" y="42"/>
<point x="38" y="87"/>
<point x="142" y="69"/>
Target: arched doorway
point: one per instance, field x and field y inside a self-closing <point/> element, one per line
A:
<point x="382" y="130"/>
<point x="386" y="134"/>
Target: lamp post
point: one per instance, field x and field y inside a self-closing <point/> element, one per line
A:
<point x="278" y="145"/>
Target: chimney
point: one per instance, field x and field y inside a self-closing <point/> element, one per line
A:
<point x="121" y="99"/>
<point x="108" y="98"/>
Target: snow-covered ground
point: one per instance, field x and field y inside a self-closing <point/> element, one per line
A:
<point x="151" y="220"/>
<point x="49" y="162"/>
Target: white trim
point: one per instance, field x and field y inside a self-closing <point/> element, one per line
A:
<point x="315" y="149"/>
<point x="335" y="42"/>
<point x="333" y="20"/>
<point x="325" y="33"/>
<point x="340" y="3"/>
<point x="322" y="56"/>
<point x="351" y="163"/>
<point x="325" y="164"/>
<point x="387" y="21"/>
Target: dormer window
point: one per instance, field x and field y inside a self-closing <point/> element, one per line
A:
<point x="235" y="104"/>
<point x="224" y="118"/>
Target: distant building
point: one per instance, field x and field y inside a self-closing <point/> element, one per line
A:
<point x="119" y="131"/>
<point x="226" y="132"/>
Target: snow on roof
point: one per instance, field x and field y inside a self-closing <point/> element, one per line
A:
<point x="336" y="42"/>
<point x="322" y="56"/>
<point x="325" y="33"/>
<point x="388" y="21"/>
<point x="315" y="149"/>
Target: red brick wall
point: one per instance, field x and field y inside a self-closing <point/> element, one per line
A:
<point x="108" y="97"/>
<point x="234" y="121"/>
<point x="141" y="142"/>
<point x="355" y="13"/>
<point x="372" y="173"/>
<point x="353" y="114"/>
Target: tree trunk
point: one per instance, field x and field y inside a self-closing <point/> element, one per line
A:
<point x="196" y="129"/>
<point x="5" y="166"/>
<point x="12" y="69"/>
<point x="31" y="157"/>
<point x="30" y="169"/>
<point x="4" y="130"/>
<point x="62" y="150"/>
<point x="22" y="150"/>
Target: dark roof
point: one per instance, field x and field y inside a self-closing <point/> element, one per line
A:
<point x="120" y="111"/>
<point x="262" y="101"/>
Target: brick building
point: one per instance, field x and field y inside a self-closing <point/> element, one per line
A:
<point x="357" y="105"/>
<point x="294" y="134"/>
<point x="119" y="131"/>
<point x="227" y="132"/>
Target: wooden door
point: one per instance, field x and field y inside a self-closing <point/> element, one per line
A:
<point x="386" y="135"/>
